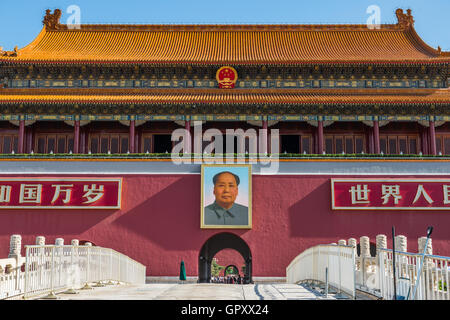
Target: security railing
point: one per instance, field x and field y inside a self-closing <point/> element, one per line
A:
<point x="433" y="282"/>
<point x="54" y="268"/>
<point x="334" y="264"/>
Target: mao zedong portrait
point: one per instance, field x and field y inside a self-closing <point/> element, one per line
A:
<point x="224" y="210"/>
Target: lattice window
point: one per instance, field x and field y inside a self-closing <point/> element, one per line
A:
<point x="109" y="142"/>
<point x="349" y="144"/>
<point x="397" y="144"/>
<point x="56" y="143"/>
<point x="443" y="143"/>
<point x="8" y="143"/>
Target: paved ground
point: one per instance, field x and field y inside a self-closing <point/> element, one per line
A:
<point x="190" y="291"/>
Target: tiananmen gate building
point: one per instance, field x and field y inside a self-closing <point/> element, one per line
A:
<point x="87" y="116"/>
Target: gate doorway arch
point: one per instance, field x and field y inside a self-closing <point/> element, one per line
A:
<point x="216" y="243"/>
<point x="235" y="269"/>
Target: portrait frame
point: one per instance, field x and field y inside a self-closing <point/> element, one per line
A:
<point x="244" y="198"/>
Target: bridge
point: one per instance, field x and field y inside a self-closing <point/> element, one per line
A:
<point x="330" y="271"/>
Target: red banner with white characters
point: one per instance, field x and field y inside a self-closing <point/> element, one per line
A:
<point x="60" y="193"/>
<point x="390" y="194"/>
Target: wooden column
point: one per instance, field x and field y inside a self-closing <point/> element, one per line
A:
<point x="376" y="137"/>
<point x="82" y="140"/>
<point x="425" y="141"/>
<point x="131" y="136"/>
<point x="319" y="137"/>
<point x="371" y="141"/>
<point x="21" y="141"/>
<point x="76" y="137"/>
<point x="136" y="142"/>
<point x="432" y="138"/>
<point x="29" y="139"/>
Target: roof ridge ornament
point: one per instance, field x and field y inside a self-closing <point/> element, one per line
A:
<point x="51" y="20"/>
<point x="9" y="53"/>
<point x="405" y="21"/>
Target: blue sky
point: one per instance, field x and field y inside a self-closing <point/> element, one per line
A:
<point x="21" y="20"/>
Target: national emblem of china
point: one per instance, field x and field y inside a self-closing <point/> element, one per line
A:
<point x="226" y="77"/>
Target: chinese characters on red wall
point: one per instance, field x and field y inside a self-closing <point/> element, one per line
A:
<point x="390" y="194"/>
<point x="60" y="193"/>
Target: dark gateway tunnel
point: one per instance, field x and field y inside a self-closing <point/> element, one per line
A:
<point x="217" y="243"/>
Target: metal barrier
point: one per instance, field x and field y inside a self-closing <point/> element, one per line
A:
<point x="313" y="264"/>
<point x="433" y="283"/>
<point x="55" y="268"/>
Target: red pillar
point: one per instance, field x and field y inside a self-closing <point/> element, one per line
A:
<point x="371" y="143"/>
<point x="82" y="140"/>
<point x="131" y="138"/>
<point x="76" y="137"/>
<point x="376" y="137"/>
<point x="29" y="139"/>
<point x="136" y="142"/>
<point x="320" y="137"/>
<point x="21" y="136"/>
<point x="432" y="138"/>
<point x="425" y="141"/>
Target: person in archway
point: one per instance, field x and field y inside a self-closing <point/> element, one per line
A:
<point x="224" y="210"/>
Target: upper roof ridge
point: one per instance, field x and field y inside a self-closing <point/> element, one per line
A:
<point x="52" y="23"/>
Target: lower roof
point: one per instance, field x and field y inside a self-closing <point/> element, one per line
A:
<point x="220" y="96"/>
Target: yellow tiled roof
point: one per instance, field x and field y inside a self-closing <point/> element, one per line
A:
<point x="219" y="96"/>
<point x="227" y="44"/>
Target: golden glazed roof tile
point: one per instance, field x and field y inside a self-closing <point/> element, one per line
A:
<point x="218" y="96"/>
<point x="228" y="44"/>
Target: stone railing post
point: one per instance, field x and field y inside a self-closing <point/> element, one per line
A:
<point x="401" y="244"/>
<point x="59" y="255"/>
<point x="364" y="246"/>
<point x="421" y="245"/>
<point x="381" y="242"/>
<point x="342" y="242"/>
<point x="74" y="265"/>
<point x="429" y="251"/>
<point x="15" y="245"/>
<point x="352" y="242"/>
<point x="87" y="286"/>
<point x="364" y="254"/>
<point x="40" y="240"/>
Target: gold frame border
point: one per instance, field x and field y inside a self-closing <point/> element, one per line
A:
<point x="250" y="195"/>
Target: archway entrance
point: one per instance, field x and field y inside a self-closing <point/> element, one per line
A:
<point x="217" y="243"/>
<point x="231" y="269"/>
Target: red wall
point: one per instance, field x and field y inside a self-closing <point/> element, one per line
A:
<point x="159" y="223"/>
